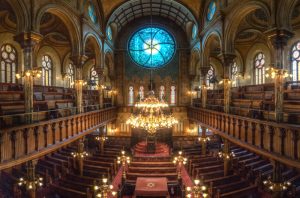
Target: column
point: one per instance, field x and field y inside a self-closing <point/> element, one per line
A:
<point x="279" y="38"/>
<point x="227" y="63"/>
<point x="78" y="61"/>
<point x="80" y="159"/>
<point x="204" y="71"/>
<point x="227" y="162"/>
<point x="28" y="40"/>
<point x="203" y="137"/>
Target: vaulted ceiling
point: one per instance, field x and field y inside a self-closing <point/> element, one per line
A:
<point x="134" y="9"/>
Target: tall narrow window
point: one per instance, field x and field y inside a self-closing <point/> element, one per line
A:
<point x="259" y="68"/>
<point x="94" y="78"/>
<point x="8" y="61"/>
<point x="141" y="93"/>
<point x="173" y="95"/>
<point x="47" y="65"/>
<point x="130" y="96"/>
<point x="70" y="75"/>
<point x="209" y="78"/>
<point x="296" y="61"/>
<point x="162" y="93"/>
<point x="234" y="74"/>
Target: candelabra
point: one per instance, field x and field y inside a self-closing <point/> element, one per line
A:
<point x="79" y="156"/>
<point x="101" y="139"/>
<point x="123" y="160"/>
<point x="35" y="73"/>
<point x="197" y="191"/>
<point x="31" y="181"/>
<point x="103" y="190"/>
<point x="272" y="72"/>
<point x="180" y="160"/>
<point x="276" y="186"/>
<point x="203" y="139"/>
<point x="225" y="155"/>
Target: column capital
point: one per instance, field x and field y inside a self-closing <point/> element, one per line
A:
<point x="279" y="37"/>
<point x="227" y="59"/>
<point x="204" y="70"/>
<point x="78" y="59"/>
<point x="28" y="39"/>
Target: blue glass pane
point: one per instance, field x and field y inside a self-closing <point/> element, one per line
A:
<point x="151" y="47"/>
<point x="109" y="33"/>
<point x="194" y="31"/>
<point x="92" y="13"/>
<point x="211" y="10"/>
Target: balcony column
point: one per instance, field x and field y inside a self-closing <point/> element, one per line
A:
<point x="227" y="63"/>
<point x="279" y="38"/>
<point x="78" y="61"/>
<point x="204" y="71"/>
<point x="203" y="142"/>
<point x="100" y="72"/>
<point x="28" y="40"/>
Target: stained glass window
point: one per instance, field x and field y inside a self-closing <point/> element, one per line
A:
<point x="109" y="33"/>
<point x="92" y="13"/>
<point x="296" y="61"/>
<point x="8" y="60"/>
<point x="194" y="31"/>
<point x="162" y="93"/>
<point x="151" y="47"/>
<point x="209" y="77"/>
<point x="130" y="96"/>
<point x="234" y="74"/>
<point x="94" y="78"/>
<point x="259" y="67"/>
<point x="47" y="65"/>
<point x="211" y="10"/>
<point x="70" y="74"/>
<point x="173" y="95"/>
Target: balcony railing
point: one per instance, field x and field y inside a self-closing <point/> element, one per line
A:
<point x="22" y="143"/>
<point x="279" y="141"/>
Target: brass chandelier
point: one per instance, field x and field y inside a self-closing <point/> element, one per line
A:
<point x="151" y="115"/>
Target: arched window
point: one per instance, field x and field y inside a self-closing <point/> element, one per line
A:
<point x="47" y="65"/>
<point x="234" y="74"/>
<point x="70" y="75"/>
<point x="141" y="93"/>
<point x="94" y="78"/>
<point x="259" y="68"/>
<point x="130" y="96"/>
<point x="162" y="93"/>
<point x="296" y="61"/>
<point x="209" y="77"/>
<point x="173" y="95"/>
<point x="8" y="61"/>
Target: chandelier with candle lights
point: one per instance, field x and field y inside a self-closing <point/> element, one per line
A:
<point x="151" y="115"/>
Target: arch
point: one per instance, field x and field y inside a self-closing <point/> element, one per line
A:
<point x="207" y="42"/>
<point x="67" y="17"/>
<point x="284" y="13"/>
<point x="21" y="14"/>
<point x="236" y="16"/>
<point x="97" y="46"/>
<point x="109" y="63"/>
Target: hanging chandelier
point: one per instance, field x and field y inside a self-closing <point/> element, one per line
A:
<point x="151" y="115"/>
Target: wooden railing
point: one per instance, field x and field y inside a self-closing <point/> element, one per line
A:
<point x="277" y="141"/>
<point x="27" y="142"/>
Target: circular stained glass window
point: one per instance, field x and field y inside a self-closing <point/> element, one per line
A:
<point x="194" y="31"/>
<point x="92" y="13"/>
<point x="211" y="10"/>
<point x="151" y="47"/>
<point x="109" y="33"/>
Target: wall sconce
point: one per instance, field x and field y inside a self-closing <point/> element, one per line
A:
<point x="191" y="93"/>
<point x="79" y="82"/>
<point x="222" y="81"/>
<point x="35" y="73"/>
<point x="272" y="72"/>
